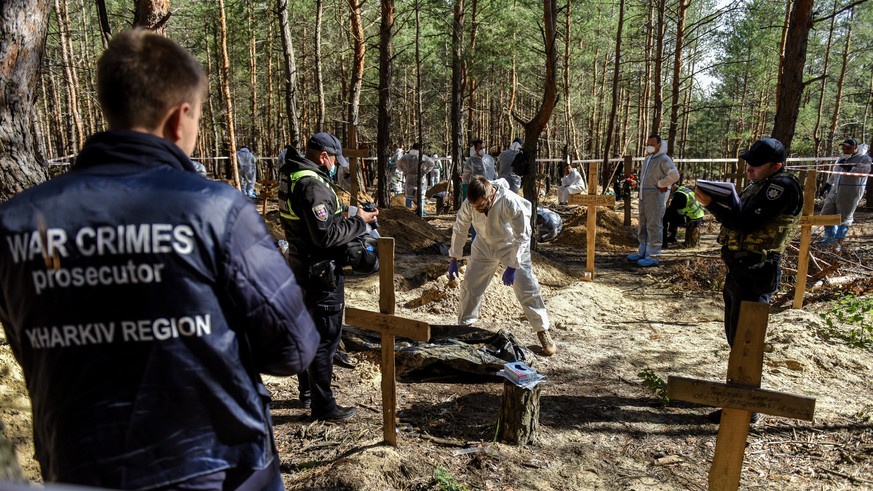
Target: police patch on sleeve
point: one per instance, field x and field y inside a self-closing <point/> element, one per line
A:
<point x="320" y="212"/>
<point x="774" y="192"/>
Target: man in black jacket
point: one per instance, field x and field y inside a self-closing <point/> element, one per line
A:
<point x="318" y="236"/>
<point x="142" y="300"/>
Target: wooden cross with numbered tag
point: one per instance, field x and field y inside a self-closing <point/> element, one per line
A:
<point x="740" y="397"/>
<point x="807" y="221"/>
<point x="353" y="154"/>
<point x="389" y="326"/>
<point x="592" y="201"/>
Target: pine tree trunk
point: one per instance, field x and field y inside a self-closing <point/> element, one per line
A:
<point x="659" y="61"/>
<point x="23" y="25"/>
<point x="816" y="137"/>
<point x="457" y="94"/>
<point x="607" y="147"/>
<point x="152" y="14"/>
<point x="471" y="83"/>
<point x="74" y="117"/>
<point x="386" y="63"/>
<point x="358" y="61"/>
<point x="534" y="127"/>
<point x="228" y="100"/>
<point x="677" y="77"/>
<point x="785" y="24"/>
<point x="319" y="84"/>
<point x="839" y="95"/>
<point x="254" y="138"/>
<point x="791" y="79"/>
<point x="290" y="75"/>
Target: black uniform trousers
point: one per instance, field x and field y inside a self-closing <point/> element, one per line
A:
<point x="326" y="308"/>
<point x="672" y="221"/>
<point x="750" y="277"/>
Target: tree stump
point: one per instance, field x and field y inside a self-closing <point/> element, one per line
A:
<point x="692" y="233"/>
<point x="519" y="420"/>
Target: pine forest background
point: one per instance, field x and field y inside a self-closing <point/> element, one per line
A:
<point x="715" y="96"/>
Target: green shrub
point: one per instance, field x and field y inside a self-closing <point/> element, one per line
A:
<point x="853" y="312"/>
<point x="656" y="384"/>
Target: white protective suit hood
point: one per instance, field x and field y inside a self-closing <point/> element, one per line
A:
<point x="516" y="146"/>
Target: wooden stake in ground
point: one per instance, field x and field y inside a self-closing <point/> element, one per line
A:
<point x="389" y="326"/>
<point x="592" y="201"/>
<point x="352" y="154"/>
<point x="807" y="221"/>
<point x="740" y="397"/>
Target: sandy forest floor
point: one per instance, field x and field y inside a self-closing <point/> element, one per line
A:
<point x="601" y="428"/>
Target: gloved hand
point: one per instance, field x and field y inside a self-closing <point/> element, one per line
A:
<point x="453" y="270"/>
<point x="509" y="276"/>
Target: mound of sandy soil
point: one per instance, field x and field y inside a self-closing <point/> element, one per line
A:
<point x="612" y="235"/>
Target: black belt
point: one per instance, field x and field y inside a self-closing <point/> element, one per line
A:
<point x="748" y="257"/>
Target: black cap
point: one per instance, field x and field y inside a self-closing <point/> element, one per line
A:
<point x="850" y="142"/>
<point x="763" y="151"/>
<point x="325" y="142"/>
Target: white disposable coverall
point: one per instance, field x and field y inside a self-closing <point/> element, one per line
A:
<point x="248" y="171"/>
<point x="408" y="164"/>
<point x="658" y="171"/>
<point x="504" y="166"/>
<point x="478" y="166"/>
<point x="502" y="236"/>
<point x="846" y="191"/>
<point x="572" y="183"/>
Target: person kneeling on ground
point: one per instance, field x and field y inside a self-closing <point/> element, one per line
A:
<point x="549" y="224"/>
<point x="502" y="221"/>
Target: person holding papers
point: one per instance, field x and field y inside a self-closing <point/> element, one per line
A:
<point x="755" y="232"/>
<point x="657" y="175"/>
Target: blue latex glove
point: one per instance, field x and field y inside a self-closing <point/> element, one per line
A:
<point x="453" y="270"/>
<point x="509" y="276"/>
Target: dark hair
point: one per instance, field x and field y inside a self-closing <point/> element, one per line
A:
<point x="476" y="143"/>
<point x="656" y="137"/>
<point x="479" y="188"/>
<point x="416" y="146"/>
<point x="141" y="75"/>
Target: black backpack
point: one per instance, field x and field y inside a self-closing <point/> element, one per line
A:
<point x="520" y="165"/>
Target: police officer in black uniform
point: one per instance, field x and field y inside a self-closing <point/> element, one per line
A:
<point x="754" y="237"/>
<point x="318" y="236"/>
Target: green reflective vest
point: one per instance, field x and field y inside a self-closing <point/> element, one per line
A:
<point x="286" y="190"/>
<point x="693" y="208"/>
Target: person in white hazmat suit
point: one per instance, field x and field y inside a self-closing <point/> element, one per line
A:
<point x="571" y="183"/>
<point x="503" y="222"/>
<point x="479" y="163"/>
<point x="408" y="165"/>
<point x="433" y="177"/>
<point x="845" y="191"/>
<point x="504" y="165"/>
<point x="657" y="175"/>
<point x="549" y="224"/>
<point x="248" y="171"/>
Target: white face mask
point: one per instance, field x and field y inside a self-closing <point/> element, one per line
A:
<point x="847" y="154"/>
<point x="482" y="152"/>
<point x="650" y="149"/>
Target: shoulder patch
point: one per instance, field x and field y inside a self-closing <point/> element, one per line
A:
<point x="774" y="191"/>
<point x="320" y="212"/>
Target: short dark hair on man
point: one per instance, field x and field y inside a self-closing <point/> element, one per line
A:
<point x="141" y="75"/>
<point x="656" y="137"/>
<point x="416" y="146"/>
<point x="475" y="143"/>
<point x="479" y="188"/>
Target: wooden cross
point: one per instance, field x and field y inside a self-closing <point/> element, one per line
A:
<point x="740" y="397"/>
<point x="267" y="188"/>
<point x="352" y="154"/>
<point x="807" y="221"/>
<point x="592" y="201"/>
<point x="389" y="326"/>
<point x="739" y="174"/>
